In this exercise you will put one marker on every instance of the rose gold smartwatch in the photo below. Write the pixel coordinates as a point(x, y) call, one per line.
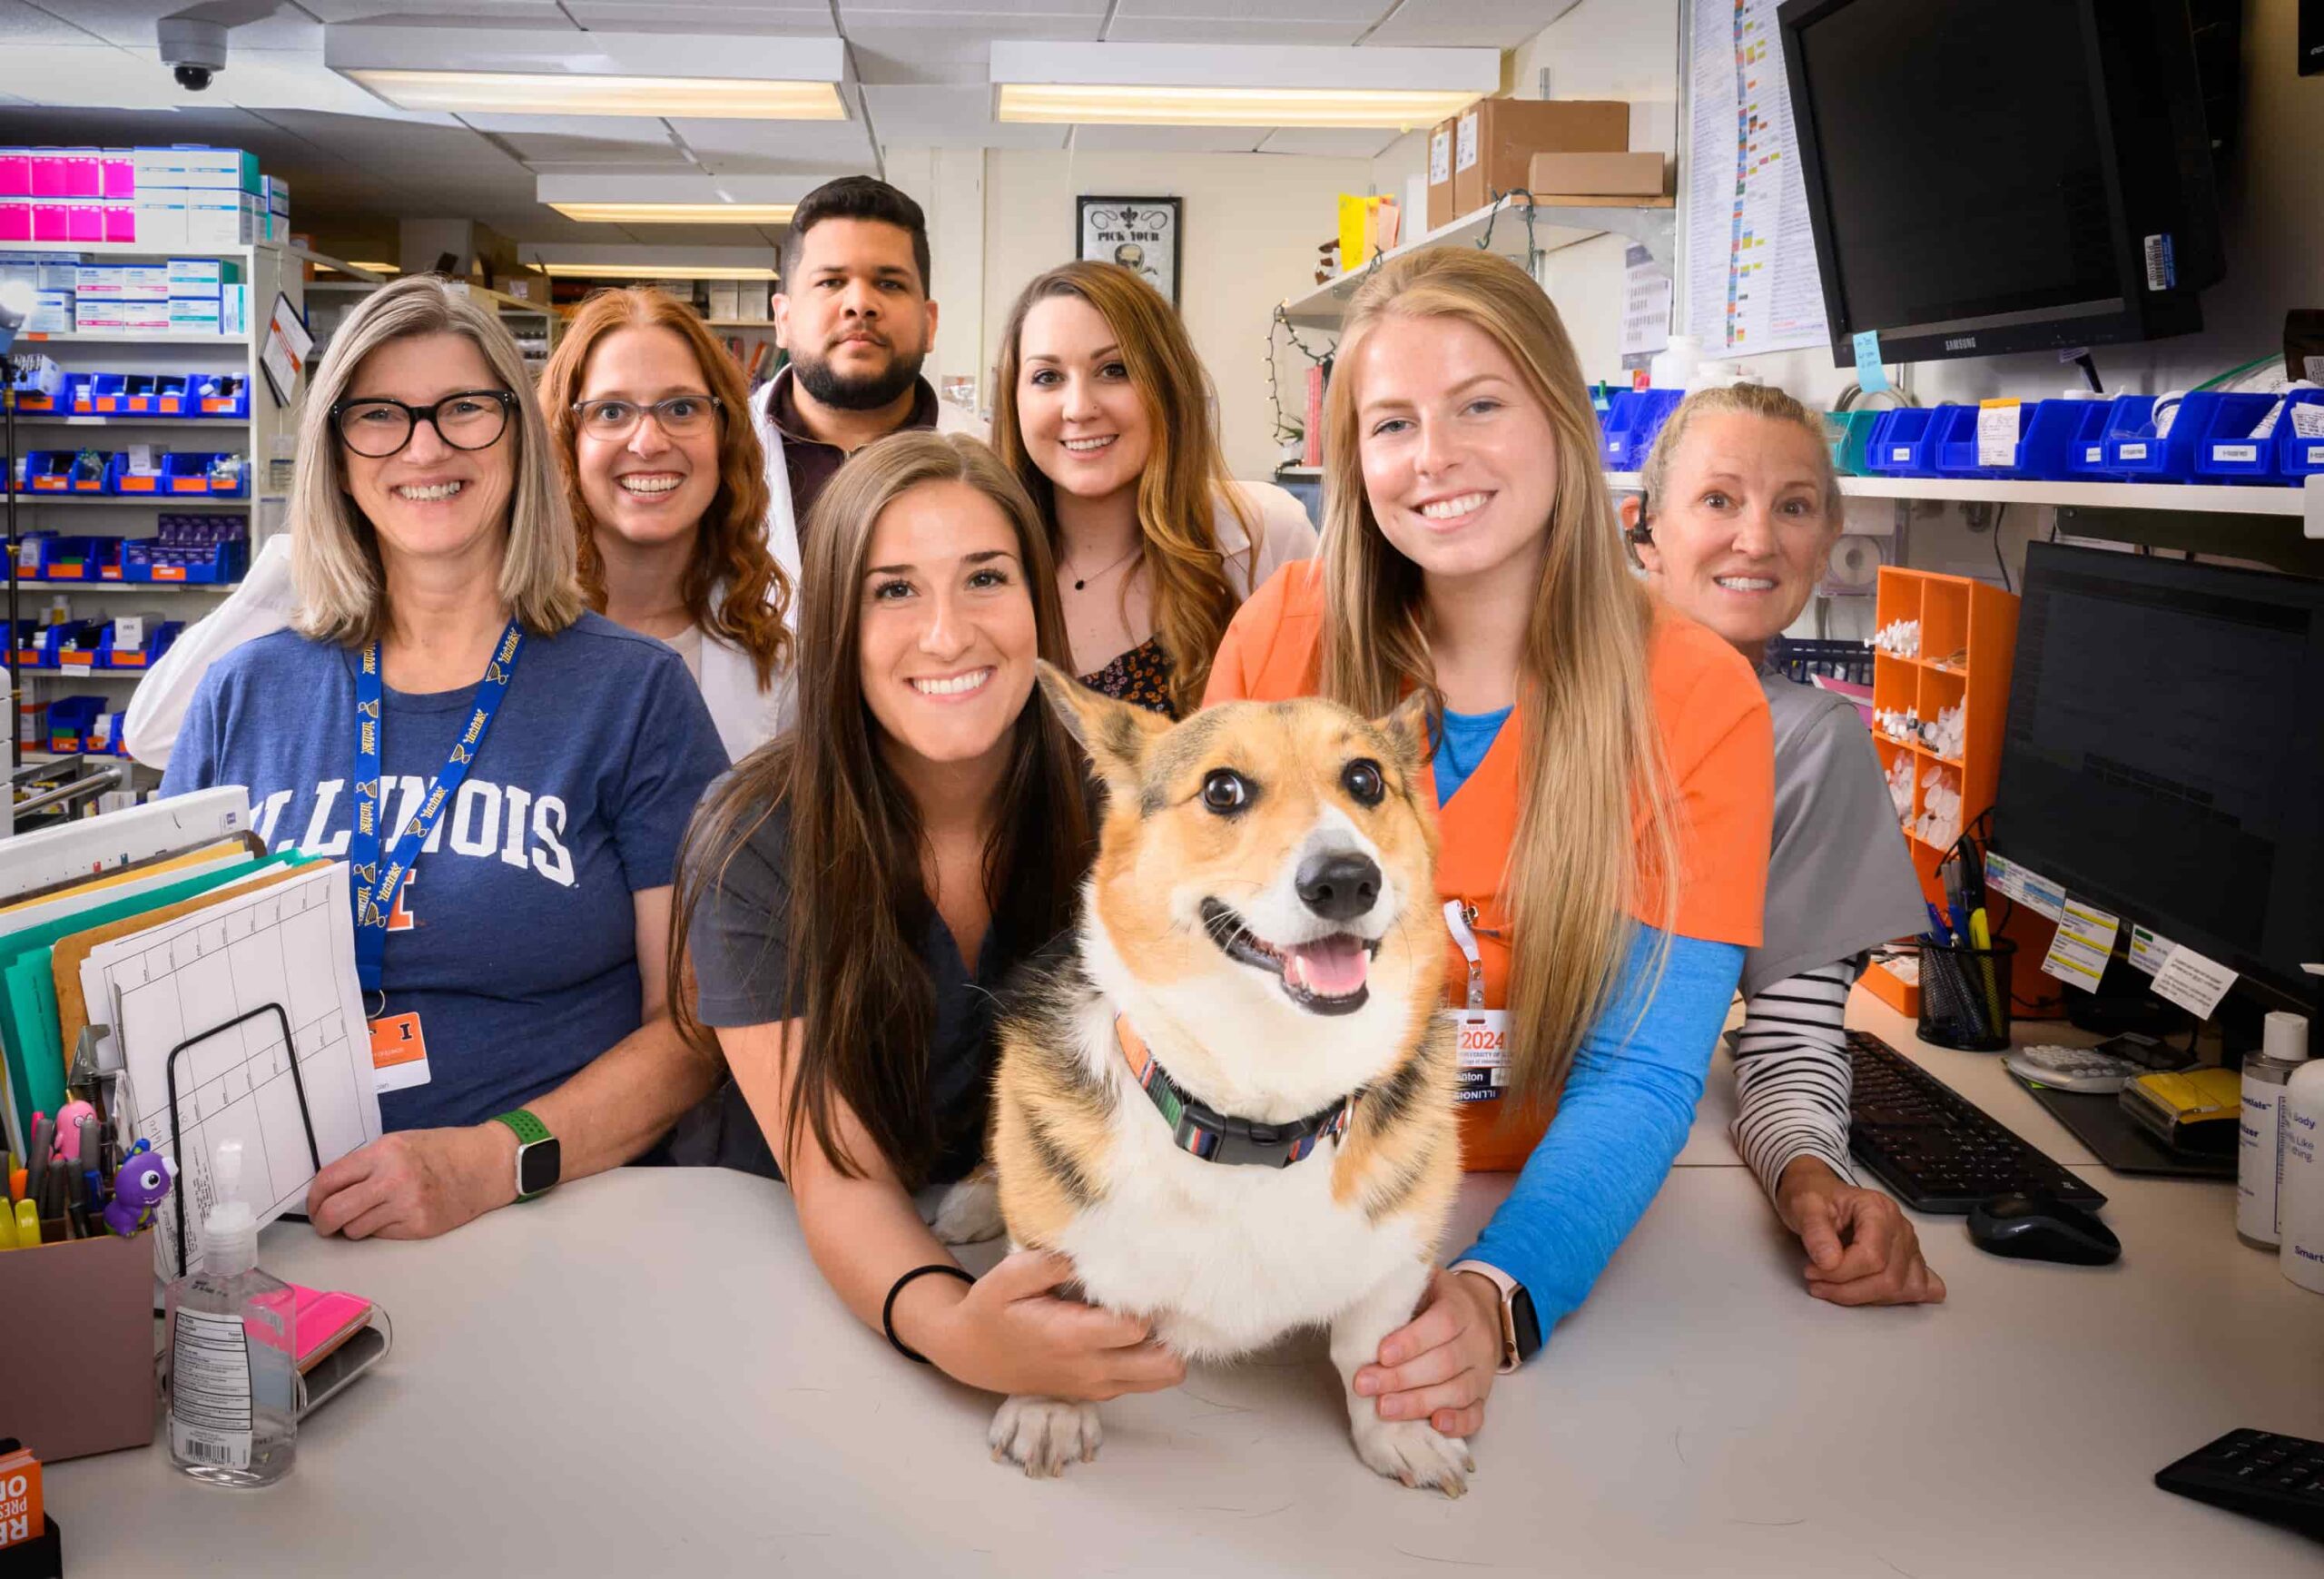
point(1520, 1330)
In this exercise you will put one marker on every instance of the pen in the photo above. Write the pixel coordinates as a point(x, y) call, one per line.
point(44, 1139)
point(1937, 928)
point(86, 1158)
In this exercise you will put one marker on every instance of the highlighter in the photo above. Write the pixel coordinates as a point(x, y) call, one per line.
point(18, 1178)
point(8, 1229)
point(27, 1225)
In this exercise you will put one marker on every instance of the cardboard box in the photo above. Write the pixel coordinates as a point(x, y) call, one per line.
point(117, 170)
point(1441, 210)
point(78, 1367)
point(234, 310)
point(217, 169)
point(215, 219)
point(196, 276)
point(1595, 175)
point(726, 299)
point(278, 194)
point(15, 172)
point(145, 282)
point(194, 315)
point(1494, 140)
point(119, 220)
point(54, 312)
point(161, 217)
point(15, 220)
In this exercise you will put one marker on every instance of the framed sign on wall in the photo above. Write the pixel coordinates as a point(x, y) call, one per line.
point(1140, 233)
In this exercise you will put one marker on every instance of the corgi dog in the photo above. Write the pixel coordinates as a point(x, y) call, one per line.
point(1232, 1105)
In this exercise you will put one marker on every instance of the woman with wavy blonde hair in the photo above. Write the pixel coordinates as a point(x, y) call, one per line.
point(1103, 411)
point(1603, 770)
point(665, 479)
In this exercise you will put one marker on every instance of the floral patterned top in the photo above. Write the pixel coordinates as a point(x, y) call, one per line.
point(1140, 676)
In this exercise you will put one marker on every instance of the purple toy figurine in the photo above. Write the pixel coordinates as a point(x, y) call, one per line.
point(143, 1179)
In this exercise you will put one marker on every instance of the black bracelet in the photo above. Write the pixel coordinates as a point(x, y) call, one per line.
point(888, 1311)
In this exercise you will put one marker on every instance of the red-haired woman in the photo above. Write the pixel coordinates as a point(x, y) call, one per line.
point(668, 485)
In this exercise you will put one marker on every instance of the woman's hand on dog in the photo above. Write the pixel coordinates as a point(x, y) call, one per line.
point(1010, 1333)
point(1861, 1247)
point(1440, 1365)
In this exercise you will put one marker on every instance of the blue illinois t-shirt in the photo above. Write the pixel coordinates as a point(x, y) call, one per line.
point(515, 941)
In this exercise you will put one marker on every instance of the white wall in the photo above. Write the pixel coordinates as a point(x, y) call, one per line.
point(1253, 222)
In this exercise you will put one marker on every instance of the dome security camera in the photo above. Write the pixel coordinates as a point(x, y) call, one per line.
point(193, 50)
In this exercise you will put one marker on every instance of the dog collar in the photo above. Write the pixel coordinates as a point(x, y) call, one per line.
point(1217, 1137)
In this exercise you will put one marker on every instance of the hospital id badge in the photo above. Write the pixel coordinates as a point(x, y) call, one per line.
point(1482, 1041)
point(399, 1053)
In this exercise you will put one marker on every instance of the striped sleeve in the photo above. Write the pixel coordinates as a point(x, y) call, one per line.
point(1792, 1073)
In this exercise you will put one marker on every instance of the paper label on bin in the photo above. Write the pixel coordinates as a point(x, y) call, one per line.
point(1900, 452)
point(2134, 452)
point(2148, 951)
point(1869, 374)
point(1465, 154)
point(1440, 158)
point(2308, 419)
point(1997, 432)
point(2085, 938)
point(2193, 983)
point(2235, 454)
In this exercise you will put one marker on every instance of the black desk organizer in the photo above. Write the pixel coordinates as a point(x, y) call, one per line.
point(297, 1083)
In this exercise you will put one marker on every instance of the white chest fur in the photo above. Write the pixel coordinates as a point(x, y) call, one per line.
point(1224, 1259)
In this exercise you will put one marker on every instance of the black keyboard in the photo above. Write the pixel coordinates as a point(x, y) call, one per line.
point(2268, 1477)
point(1934, 1150)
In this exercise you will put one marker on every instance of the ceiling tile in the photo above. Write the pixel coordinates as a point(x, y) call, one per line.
point(131, 23)
point(905, 47)
point(23, 24)
point(776, 147)
point(800, 17)
point(1363, 13)
point(949, 118)
point(966, 12)
point(1246, 29)
point(438, 13)
point(1481, 23)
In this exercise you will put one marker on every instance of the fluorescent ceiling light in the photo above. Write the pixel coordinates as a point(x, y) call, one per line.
point(678, 213)
point(1188, 84)
point(522, 71)
point(375, 268)
point(656, 271)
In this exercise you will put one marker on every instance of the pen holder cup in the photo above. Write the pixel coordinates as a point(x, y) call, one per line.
point(1965, 995)
point(76, 1367)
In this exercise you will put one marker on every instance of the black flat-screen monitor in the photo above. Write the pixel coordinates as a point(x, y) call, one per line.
point(2164, 754)
point(2002, 175)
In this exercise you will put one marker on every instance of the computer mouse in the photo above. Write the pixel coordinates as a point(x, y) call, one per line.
point(2042, 1228)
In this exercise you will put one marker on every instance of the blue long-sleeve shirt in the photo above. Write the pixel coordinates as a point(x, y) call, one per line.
point(1628, 1103)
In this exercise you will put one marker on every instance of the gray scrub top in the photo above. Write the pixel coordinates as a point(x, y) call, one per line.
point(1839, 880)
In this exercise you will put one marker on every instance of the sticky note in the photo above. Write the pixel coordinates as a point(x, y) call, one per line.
point(2193, 983)
point(1869, 372)
point(2147, 950)
point(2078, 954)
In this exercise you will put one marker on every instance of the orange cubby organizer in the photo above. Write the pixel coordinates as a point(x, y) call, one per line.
point(1968, 642)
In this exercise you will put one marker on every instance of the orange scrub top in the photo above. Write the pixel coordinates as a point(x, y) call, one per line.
point(1715, 738)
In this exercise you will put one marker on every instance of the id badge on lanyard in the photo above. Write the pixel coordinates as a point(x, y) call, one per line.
point(378, 874)
point(1483, 1034)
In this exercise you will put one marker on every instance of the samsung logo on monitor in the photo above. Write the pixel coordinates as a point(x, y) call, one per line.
point(1962, 342)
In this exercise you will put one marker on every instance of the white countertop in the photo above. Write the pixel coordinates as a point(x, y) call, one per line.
point(644, 1374)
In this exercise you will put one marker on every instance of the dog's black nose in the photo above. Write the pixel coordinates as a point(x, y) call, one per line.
point(1338, 887)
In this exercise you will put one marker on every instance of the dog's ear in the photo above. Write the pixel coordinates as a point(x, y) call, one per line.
point(1407, 729)
point(1115, 734)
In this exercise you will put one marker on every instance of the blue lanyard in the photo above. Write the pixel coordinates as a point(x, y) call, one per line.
point(375, 886)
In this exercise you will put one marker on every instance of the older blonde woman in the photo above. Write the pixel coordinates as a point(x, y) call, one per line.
point(508, 775)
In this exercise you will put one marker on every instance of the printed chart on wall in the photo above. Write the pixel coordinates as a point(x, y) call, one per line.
point(1751, 281)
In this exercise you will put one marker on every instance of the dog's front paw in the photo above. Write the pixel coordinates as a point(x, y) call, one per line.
point(1414, 1452)
point(970, 1212)
point(1045, 1435)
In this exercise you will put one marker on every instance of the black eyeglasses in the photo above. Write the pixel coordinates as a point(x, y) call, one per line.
point(377, 428)
point(680, 416)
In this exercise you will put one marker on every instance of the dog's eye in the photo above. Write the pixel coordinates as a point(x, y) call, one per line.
point(1225, 790)
point(1361, 779)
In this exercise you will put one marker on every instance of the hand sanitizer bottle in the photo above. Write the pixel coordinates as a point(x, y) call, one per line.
point(232, 1342)
point(2261, 1165)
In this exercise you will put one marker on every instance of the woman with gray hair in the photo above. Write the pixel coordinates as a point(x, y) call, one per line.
point(443, 700)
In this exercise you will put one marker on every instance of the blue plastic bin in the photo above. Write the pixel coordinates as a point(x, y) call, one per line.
point(2225, 450)
point(1851, 434)
point(1631, 423)
point(2124, 415)
point(1952, 444)
point(1899, 443)
point(2297, 458)
point(186, 474)
point(2142, 455)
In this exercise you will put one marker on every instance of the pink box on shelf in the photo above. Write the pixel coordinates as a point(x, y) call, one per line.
point(84, 221)
point(15, 220)
point(119, 220)
point(119, 170)
point(49, 224)
point(15, 172)
point(84, 173)
point(47, 172)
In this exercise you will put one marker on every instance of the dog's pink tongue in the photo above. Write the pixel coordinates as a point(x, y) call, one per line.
point(1330, 967)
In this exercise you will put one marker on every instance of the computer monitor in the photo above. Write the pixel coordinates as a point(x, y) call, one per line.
point(2164, 754)
point(2002, 175)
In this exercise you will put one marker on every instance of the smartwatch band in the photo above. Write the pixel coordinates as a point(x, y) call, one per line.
point(530, 1132)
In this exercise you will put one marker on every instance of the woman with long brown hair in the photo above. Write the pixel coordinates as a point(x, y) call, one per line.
point(1604, 772)
point(853, 892)
point(1103, 411)
point(667, 482)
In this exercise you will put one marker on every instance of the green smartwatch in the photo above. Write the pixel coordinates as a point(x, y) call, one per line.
point(538, 1159)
